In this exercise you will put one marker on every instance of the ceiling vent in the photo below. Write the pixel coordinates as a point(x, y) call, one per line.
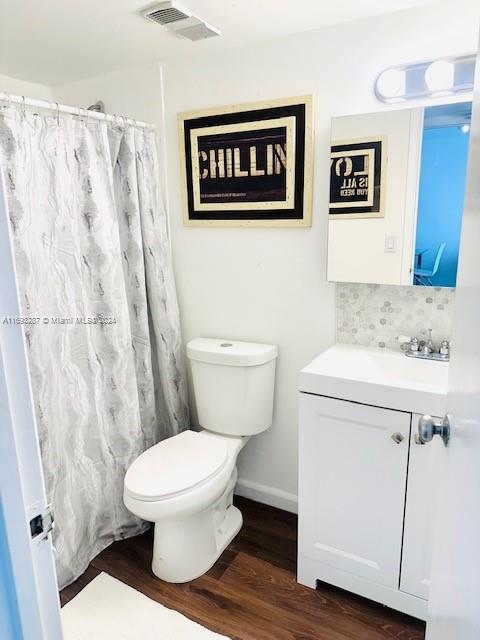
point(173, 17)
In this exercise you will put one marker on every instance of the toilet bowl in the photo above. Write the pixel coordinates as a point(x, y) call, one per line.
point(184, 485)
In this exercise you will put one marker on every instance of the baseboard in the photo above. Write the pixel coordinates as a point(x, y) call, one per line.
point(267, 495)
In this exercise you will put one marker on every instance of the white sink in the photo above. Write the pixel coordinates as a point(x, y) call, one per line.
point(379, 378)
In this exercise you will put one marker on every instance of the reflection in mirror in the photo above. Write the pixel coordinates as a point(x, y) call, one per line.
point(441, 190)
point(397, 182)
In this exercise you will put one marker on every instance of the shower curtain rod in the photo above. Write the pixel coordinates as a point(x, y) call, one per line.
point(76, 111)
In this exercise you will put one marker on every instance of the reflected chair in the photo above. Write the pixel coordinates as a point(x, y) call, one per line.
point(424, 276)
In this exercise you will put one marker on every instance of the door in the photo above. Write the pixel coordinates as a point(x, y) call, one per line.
point(425, 472)
point(352, 487)
point(454, 611)
point(33, 606)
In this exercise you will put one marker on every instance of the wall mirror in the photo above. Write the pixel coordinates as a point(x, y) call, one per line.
point(397, 184)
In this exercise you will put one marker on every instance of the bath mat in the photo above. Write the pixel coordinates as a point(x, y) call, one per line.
point(107, 609)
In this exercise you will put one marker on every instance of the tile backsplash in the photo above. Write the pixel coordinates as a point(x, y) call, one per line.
point(374, 315)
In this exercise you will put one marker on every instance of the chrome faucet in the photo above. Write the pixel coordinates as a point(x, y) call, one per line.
point(425, 349)
point(427, 345)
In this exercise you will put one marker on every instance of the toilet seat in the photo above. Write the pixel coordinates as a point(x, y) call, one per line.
point(174, 466)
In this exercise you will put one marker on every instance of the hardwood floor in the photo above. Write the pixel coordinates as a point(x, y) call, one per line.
point(251, 592)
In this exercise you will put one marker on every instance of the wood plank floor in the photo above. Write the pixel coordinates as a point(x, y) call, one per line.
point(251, 592)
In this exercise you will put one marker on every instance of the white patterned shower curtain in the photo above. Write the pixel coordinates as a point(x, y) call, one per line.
point(100, 311)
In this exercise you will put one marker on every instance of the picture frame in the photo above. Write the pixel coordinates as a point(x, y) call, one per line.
point(358, 178)
point(248, 165)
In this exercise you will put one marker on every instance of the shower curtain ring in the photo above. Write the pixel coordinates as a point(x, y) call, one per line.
point(23, 106)
point(58, 113)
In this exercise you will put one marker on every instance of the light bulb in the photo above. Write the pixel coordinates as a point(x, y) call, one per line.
point(391, 83)
point(439, 76)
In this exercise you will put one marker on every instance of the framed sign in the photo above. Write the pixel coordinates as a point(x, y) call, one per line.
point(357, 178)
point(248, 165)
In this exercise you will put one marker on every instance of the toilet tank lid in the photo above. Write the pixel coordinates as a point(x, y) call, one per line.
point(230, 352)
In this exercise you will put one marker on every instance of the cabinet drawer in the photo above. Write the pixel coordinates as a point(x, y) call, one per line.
point(352, 486)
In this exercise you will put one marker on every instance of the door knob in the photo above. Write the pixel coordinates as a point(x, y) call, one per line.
point(397, 437)
point(429, 427)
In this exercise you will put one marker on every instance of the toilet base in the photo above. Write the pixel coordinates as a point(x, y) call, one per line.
point(186, 547)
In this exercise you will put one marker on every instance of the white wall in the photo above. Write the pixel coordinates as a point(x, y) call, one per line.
point(270, 284)
point(23, 88)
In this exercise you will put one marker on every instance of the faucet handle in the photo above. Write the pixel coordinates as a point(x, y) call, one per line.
point(444, 348)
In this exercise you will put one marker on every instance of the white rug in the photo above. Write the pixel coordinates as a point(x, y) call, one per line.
point(107, 609)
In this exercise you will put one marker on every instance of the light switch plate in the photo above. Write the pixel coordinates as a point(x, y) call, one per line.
point(390, 244)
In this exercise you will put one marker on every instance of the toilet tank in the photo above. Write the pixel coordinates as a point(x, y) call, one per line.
point(233, 385)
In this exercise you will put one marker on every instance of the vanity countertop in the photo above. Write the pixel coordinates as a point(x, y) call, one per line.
point(379, 378)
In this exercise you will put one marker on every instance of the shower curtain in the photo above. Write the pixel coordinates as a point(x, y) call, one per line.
point(99, 311)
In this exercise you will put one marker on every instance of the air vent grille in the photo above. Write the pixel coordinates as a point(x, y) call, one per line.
point(166, 16)
point(174, 17)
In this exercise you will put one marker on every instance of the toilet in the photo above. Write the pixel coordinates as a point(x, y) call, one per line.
point(184, 485)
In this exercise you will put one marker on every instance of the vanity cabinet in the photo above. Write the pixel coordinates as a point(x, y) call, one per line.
point(365, 501)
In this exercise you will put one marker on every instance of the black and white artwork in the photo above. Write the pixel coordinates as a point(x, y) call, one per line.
point(357, 178)
point(248, 165)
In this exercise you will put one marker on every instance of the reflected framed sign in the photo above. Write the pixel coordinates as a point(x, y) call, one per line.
point(357, 178)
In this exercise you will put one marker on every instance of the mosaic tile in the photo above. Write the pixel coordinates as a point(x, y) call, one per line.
point(375, 315)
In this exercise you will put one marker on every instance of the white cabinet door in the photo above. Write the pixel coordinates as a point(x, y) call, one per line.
point(424, 480)
point(352, 487)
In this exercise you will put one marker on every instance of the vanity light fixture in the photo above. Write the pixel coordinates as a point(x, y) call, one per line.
point(391, 83)
point(439, 76)
point(433, 78)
